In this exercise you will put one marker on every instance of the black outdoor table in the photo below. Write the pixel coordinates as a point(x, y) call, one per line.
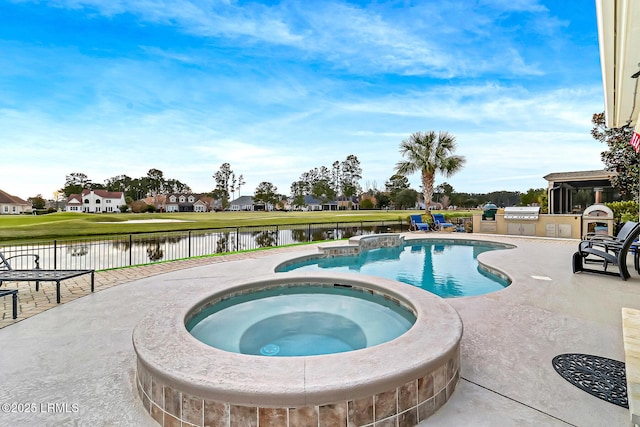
point(37, 275)
point(14, 297)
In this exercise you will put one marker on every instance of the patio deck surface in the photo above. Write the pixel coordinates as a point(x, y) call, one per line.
point(73, 364)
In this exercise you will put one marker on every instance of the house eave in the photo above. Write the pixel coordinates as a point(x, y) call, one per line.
point(619, 41)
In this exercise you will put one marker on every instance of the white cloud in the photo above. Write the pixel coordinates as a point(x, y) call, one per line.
point(278, 89)
point(365, 39)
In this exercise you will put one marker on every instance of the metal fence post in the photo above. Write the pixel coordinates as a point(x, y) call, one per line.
point(130, 250)
point(189, 250)
point(55, 254)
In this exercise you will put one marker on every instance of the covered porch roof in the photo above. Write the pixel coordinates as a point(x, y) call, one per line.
point(581, 179)
point(619, 38)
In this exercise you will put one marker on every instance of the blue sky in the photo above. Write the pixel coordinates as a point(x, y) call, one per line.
point(110, 87)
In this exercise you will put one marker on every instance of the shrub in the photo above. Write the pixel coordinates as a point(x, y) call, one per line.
point(624, 211)
point(366, 204)
point(138, 206)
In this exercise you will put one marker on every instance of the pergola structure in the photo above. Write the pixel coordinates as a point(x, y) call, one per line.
point(564, 185)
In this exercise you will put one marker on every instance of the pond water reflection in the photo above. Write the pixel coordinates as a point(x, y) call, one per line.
point(136, 249)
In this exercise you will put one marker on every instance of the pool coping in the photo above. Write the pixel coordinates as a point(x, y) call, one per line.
point(176, 362)
point(220, 375)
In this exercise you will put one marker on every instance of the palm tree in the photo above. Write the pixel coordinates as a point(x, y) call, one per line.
point(429, 153)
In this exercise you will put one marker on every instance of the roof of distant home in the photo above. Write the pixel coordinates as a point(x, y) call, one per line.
point(8, 198)
point(104, 193)
point(101, 193)
point(243, 200)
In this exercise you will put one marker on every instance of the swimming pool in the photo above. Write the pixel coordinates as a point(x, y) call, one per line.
point(301, 321)
point(447, 268)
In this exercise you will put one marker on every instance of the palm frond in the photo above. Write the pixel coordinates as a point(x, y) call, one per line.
point(429, 153)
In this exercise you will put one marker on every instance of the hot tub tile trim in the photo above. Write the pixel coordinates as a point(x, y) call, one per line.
point(423, 408)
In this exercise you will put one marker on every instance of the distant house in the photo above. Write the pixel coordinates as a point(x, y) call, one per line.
point(96, 201)
point(311, 204)
point(242, 203)
point(13, 205)
point(346, 203)
point(181, 202)
point(204, 204)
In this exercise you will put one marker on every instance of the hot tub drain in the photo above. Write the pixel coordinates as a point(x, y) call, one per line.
point(270, 350)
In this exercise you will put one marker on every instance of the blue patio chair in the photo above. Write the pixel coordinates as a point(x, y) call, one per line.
point(440, 223)
point(417, 224)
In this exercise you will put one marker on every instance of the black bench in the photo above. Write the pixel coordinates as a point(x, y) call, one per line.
point(14, 297)
point(9, 274)
point(44, 276)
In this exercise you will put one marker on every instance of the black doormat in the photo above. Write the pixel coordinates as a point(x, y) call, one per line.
point(601, 377)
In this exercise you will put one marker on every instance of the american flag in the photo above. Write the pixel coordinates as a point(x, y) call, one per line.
point(635, 141)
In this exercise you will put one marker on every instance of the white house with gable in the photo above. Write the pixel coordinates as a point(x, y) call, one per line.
point(96, 201)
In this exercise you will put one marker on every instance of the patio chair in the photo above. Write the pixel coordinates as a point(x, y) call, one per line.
point(602, 240)
point(614, 252)
point(417, 224)
point(440, 223)
point(607, 242)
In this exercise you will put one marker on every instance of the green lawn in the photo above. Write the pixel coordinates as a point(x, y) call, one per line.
point(71, 225)
point(68, 225)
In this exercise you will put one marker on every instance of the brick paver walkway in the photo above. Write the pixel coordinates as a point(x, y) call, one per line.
point(31, 302)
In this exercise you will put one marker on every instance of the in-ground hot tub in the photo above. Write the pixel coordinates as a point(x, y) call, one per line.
point(303, 320)
point(407, 379)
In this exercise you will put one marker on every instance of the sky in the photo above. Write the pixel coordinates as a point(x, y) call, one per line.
point(276, 88)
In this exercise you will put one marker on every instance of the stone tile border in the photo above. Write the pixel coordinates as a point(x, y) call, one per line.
point(403, 406)
point(401, 382)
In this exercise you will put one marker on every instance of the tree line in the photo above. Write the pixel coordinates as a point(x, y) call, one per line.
point(427, 153)
point(152, 184)
point(322, 183)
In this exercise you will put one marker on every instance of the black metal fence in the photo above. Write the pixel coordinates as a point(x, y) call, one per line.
point(144, 248)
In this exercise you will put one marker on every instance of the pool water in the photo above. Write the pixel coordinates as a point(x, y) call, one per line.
point(301, 321)
point(446, 269)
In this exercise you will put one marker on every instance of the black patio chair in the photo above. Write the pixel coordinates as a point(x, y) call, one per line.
point(604, 240)
point(611, 252)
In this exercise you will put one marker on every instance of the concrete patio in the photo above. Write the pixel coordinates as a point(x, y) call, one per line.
point(73, 364)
